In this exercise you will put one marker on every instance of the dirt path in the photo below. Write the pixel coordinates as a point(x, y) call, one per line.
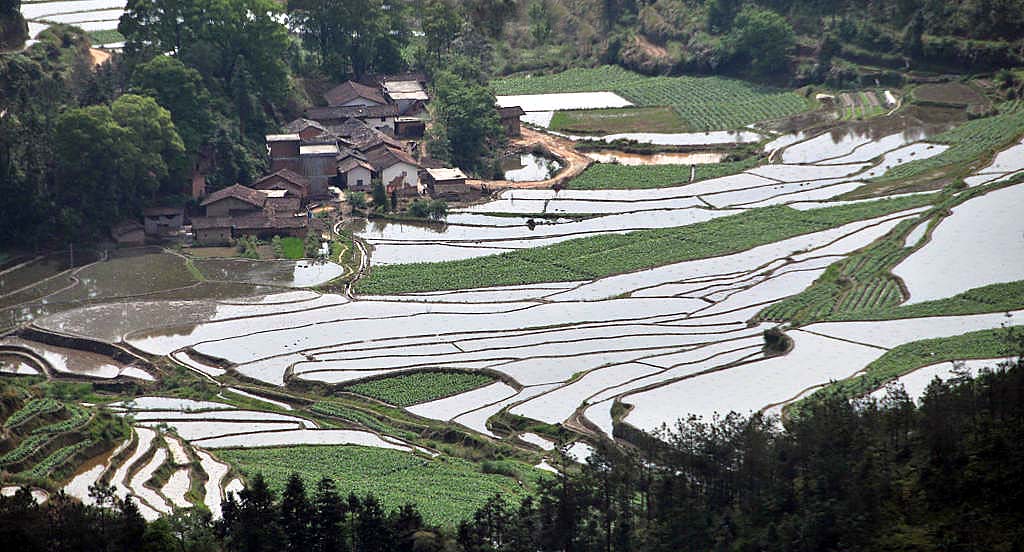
point(575, 162)
point(99, 57)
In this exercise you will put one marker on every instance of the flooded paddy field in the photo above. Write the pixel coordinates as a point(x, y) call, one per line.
point(614, 309)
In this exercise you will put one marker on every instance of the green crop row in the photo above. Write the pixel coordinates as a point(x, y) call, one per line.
point(25, 448)
point(358, 417)
point(608, 254)
point(715, 103)
point(446, 490)
point(32, 409)
point(418, 387)
point(704, 103)
point(968, 142)
point(57, 459)
point(79, 417)
point(910, 356)
point(612, 176)
point(598, 79)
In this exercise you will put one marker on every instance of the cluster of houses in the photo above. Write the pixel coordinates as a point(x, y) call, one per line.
point(364, 134)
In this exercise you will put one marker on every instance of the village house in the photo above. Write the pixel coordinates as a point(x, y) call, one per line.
point(284, 152)
point(407, 91)
point(398, 170)
point(448, 184)
point(128, 233)
point(234, 201)
point(510, 120)
point(355, 173)
point(284, 179)
point(352, 94)
point(380, 117)
point(211, 230)
point(238, 210)
point(163, 222)
point(319, 166)
point(308, 130)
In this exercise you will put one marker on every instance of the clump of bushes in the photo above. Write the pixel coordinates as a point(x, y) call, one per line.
point(434, 209)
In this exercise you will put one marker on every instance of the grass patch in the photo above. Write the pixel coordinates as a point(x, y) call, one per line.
point(105, 37)
point(910, 356)
point(358, 417)
point(290, 248)
point(418, 387)
point(446, 490)
point(618, 120)
point(604, 255)
point(702, 103)
point(613, 176)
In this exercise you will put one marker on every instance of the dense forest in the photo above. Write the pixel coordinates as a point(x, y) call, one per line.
point(866, 475)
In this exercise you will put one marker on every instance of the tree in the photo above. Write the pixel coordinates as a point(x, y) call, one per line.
point(540, 22)
point(466, 127)
point(109, 160)
point(441, 23)
point(721, 14)
point(296, 515)
point(212, 36)
point(352, 37)
point(180, 90)
point(764, 37)
point(328, 533)
point(158, 139)
point(380, 195)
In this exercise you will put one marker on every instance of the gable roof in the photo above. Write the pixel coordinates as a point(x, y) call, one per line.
point(284, 174)
point(349, 163)
point(362, 136)
point(239, 192)
point(333, 113)
point(385, 157)
point(348, 91)
point(301, 124)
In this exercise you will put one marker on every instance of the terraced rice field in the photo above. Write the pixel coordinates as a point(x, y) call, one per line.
point(539, 319)
point(701, 103)
point(98, 17)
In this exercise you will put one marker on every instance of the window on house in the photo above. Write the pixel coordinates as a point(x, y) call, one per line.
point(359, 182)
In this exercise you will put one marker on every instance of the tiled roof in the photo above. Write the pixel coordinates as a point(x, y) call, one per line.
point(286, 174)
point(357, 111)
point(302, 124)
point(385, 157)
point(348, 91)
point(239, 192)
point(206, 223)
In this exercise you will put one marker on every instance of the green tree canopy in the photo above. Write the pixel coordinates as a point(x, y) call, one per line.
point(466, 125)
point(109, 160)
point(180, 90)
point(352, 37)
point(764, 37)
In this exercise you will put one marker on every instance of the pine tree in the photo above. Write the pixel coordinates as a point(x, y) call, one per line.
point(296, 515)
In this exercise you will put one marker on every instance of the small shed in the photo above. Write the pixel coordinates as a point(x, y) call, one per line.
point(163, 221)
point(306, 129)
point(510, 119)
point(128, 233)
point(445, 183)
point(410, 127)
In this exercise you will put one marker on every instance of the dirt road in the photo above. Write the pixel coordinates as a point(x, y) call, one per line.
point(574, 161)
